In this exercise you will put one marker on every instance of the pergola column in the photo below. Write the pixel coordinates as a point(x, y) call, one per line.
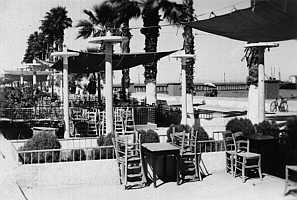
point(64, 54)
point(183, 58)
point(22, 79)
point(108, 41)
point(256, 108)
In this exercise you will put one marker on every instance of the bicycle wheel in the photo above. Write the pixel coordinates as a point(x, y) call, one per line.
point(283, 107)
point(273, 106)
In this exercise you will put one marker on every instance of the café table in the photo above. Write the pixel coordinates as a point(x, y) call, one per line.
point(153, 150)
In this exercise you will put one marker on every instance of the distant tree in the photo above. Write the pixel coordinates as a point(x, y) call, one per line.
point(151, 30)
point(36, 47)
point(53, 26)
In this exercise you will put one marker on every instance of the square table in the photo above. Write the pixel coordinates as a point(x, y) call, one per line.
point(161, 149)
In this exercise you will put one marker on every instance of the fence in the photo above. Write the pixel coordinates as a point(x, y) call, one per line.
point(95, 153)
point(39, 112)
point(65, 155)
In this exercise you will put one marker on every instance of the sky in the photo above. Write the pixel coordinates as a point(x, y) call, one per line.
point(217, 58)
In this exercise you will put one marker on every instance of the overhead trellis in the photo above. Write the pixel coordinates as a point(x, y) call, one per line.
point(95, 62)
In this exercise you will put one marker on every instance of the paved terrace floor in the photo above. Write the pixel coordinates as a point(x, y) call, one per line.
point(92, 180)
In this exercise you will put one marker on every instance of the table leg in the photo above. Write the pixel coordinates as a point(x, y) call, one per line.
point(154, 170)
point(164, 166)
point(144, 165)
point(177, 157)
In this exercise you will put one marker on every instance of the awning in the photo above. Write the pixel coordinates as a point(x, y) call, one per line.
point(264, 21)
point(95, 62)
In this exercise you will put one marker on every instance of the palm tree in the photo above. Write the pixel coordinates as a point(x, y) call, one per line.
point(53, 26)
point(110, 16)
point(151, 19)
point(184, 13)
point(36, 47)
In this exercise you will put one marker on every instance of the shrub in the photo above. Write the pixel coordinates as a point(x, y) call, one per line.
point(267, 128)
point(178, 128)
point(201, 133)
point(105, 140)
point(243, 125)
point(41, 141)
point(102, 153)
point(291, 133)
point(77, 155)
point(149, 136)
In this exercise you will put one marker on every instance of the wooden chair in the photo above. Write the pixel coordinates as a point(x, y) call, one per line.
point(92, 124)
point(292, 168)
point(129, 159)
point(245, 160)
point(230, 151)
point(190, 156)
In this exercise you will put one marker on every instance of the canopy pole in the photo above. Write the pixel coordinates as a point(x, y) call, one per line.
point(257, 114)
point(108, 41)
point(183, 58)
point(109, 83)
point(184, 96)
point(65, 55)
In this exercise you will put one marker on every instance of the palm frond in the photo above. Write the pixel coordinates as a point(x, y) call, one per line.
point(91, 16)
point(86, 28)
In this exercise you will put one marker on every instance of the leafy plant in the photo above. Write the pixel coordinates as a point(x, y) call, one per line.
point(149, 136)
point(267, 128)
point(105, 140)
point(178, 128)
point(243, 124)
point(41, 141)
point(77, 155)
point(201, 133)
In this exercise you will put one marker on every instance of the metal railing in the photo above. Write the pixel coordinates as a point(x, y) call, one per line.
point(207, 146)
point(66, 155)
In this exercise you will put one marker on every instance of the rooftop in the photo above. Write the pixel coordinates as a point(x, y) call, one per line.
point(99, 180)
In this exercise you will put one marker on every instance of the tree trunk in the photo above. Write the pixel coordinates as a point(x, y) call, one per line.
point(188, 65)
point(99, 87)
point(151, 19)
point(125, 46)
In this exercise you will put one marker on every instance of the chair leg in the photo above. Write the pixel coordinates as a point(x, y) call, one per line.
point(232, 164)
point(198, 167)
point(243, 170)
point(120, 172)
point(259, 168)
point(286, 181)
point(235, 167)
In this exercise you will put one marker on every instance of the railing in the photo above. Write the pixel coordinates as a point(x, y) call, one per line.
point(96, 153)
point(39, 112)
point(65, 155)
point(211, 146)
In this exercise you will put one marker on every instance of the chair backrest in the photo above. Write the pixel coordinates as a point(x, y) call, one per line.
point(185, 141)
point(92, 116)
point(241, 142)
point(124, 147)
point(228, 141)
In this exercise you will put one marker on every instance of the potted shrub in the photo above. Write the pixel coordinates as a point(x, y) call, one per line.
point(41, 141)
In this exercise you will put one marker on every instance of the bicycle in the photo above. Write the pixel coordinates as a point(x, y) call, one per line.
point(281, 107)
